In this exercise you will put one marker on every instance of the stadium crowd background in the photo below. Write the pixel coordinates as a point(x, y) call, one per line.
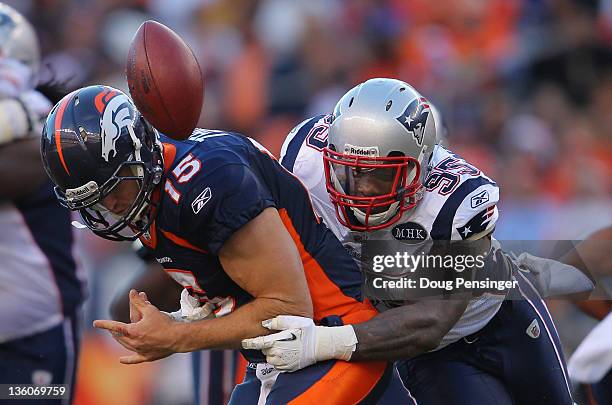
point(524, 86)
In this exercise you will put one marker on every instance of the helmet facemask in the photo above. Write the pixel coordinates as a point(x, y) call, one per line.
point(143, 167)
point(371, 193)
point(126, 226)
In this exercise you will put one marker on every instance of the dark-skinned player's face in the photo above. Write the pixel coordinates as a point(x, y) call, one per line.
point(372, 182)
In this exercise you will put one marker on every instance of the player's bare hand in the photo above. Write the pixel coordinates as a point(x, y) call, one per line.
point(135, 314)
point(151, 335)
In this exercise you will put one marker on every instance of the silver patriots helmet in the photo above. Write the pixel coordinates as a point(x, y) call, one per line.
point(18, 40)
point(383, 132)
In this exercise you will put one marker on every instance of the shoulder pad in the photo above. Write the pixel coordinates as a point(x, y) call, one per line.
point(313, 131)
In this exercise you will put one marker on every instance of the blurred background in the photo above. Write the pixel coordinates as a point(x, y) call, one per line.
point(524, 87)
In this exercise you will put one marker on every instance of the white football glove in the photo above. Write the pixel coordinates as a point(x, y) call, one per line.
point(191, 310)
point(301, 343)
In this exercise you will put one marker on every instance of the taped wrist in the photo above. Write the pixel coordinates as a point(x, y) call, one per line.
point(337, 342)
point(175, 316)
point(15, 122)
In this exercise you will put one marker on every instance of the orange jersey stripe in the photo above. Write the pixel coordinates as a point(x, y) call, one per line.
point(344, 383)
point(57, 126)
point(241, 365)
point(169, 152)
point(327, 298)
point(181, 242)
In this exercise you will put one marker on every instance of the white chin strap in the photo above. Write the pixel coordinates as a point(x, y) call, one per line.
point(376, 219)
point(137, 146)
point(138, 171)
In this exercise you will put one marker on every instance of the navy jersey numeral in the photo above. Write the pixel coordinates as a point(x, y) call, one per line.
point(444, 182)
point(446, 175)
point(458, 166)
point(317, 137)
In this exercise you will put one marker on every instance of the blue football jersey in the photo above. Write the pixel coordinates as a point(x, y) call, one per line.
point(214, 183)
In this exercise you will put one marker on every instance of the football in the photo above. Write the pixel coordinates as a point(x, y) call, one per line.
point(165, 80)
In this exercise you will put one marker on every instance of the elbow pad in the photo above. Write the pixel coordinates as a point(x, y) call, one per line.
point(14, 120)
point(22, 116)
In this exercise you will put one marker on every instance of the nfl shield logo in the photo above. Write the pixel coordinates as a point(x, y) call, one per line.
point(533, 330)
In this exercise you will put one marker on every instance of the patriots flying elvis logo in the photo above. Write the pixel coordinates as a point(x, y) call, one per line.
point(415, 117)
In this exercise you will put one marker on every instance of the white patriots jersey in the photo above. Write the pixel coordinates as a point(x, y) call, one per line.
point(41, 279)
point(458, 202)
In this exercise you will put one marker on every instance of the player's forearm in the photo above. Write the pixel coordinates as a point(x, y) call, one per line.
point(228, 331)
point(406, 331)
point(21, 170)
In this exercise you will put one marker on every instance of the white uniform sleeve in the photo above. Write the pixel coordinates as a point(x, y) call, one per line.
point(290, 136)
point(302, 154)
point(477, 214)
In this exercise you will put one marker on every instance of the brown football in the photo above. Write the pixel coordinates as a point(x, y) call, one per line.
point(165, 80)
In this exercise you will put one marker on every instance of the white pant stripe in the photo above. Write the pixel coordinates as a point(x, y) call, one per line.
point(404, 385)
point(550, 337)
point(70, 353)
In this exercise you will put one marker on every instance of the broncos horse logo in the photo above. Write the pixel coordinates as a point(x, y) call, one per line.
point(414, 118)
point(115, 116)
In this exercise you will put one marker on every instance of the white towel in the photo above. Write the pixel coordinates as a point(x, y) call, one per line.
point(191, 310)
point(593, 358)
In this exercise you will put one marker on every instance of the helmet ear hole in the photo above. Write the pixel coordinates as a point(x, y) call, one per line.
point(351, 101)
point(389, 104)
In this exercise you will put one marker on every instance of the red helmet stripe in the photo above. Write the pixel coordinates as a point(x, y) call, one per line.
point(103, 98)
point(107, 97)
point(58, 126)
point(99, 100)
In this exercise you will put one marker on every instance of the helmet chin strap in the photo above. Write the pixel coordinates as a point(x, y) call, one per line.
point(137, 147)
point(141, 211)
point(139, 170)
point(376, 219)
